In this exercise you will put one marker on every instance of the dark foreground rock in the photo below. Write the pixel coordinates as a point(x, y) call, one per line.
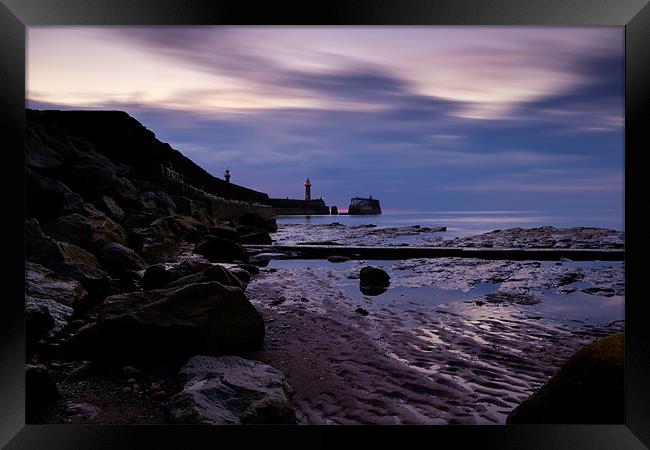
point(40, 389)
point(163, 325)
point(49, 301)
point(373, 280)
point(221, 250)
point(116, 259)
point(232, 390)
point(255, 220)
point(587, 389)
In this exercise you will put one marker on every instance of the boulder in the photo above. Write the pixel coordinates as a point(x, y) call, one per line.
point(373, 280)
point(588, 389)
point(42, 283)
point(110, 207)
point(338, 259)
point(171, 324)
point(231, 390)
point(106, 231)
point(158, 203)
point(251, 269)
point(70, 261)
point(156, 243)
point(156, 277)
point(221, 250)
point(130, 280)
point(88, 171)
point(126, 191)
point(374, 276)
point(73, 229)
point(223, 232)
point(40, 391)
point(187, 268)
point(256, 237)
point(116, 258)
point(256, 221)
point(44, 197)
point(211, 273)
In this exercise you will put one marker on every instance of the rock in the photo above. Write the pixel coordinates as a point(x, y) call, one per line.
point(70, 261)
point(73, 228)
point(40, 391)
point(253, 270)
point(166, 325)
point(156, 243)
point(110, 207)
point(88, 172)
point(126, 191)
point(223, 233)
point(130, 280)
point(211, 273)
point(131, 372)
point(257, 237)
point(588, 388)
point(338, 259)
point(156, 277)
point(41, 283)
point(187, 268)
point(362, 311)
point(241, 274)
point(105, 232)
point(256, 221)
point(49, 301)
point(158, 202)
point(44, 197)
point(221, 250)
point(116, 258)
point(374, 276)
point(72, 203)
point(231, 390)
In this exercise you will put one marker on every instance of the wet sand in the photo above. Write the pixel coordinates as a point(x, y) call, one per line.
point(464, 352)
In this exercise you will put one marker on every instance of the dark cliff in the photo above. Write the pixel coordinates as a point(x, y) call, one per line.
point(60, 143)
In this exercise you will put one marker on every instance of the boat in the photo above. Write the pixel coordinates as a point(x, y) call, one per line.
point(361, 205)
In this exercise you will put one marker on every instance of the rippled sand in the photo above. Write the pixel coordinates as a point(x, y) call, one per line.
point(452, 341)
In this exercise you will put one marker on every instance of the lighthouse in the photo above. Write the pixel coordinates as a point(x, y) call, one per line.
point(307, 189)
point(226, 176)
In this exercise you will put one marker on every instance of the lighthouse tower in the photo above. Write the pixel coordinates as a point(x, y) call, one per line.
point(226, 176)
point(307, 189)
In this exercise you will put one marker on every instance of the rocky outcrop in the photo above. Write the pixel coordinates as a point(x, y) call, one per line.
point(221, 250)
point(231, 390)
point(163, 325)
point(588, 389)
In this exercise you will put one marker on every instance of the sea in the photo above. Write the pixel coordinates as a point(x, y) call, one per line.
point(466, 223)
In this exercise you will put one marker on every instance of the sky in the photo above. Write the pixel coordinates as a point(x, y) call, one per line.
point(423, 118)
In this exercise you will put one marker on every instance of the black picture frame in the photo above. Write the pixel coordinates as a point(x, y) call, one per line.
point(15, 15)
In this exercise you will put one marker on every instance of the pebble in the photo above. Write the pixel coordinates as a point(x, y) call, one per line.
point(131, 372)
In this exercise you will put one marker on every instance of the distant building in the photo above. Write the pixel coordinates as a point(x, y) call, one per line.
point(226, 176)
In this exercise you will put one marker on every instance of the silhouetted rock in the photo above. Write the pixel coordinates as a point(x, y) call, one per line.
point(163, 325)
point(374, 276)
point(116, 258)
point(105, 231)
point(256, 221)
point(221, 250)
point(212, 273)
point(223, 232)
point(588, 389)
point(69, 261)
point(73, 229)
point(156, 277)
point(256, 237)
point(232, 390)
point(40, 390)
point(338, 259)
point(45, 197)
point(110, 207)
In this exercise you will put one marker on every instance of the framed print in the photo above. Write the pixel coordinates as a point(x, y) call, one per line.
point(421, 218)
